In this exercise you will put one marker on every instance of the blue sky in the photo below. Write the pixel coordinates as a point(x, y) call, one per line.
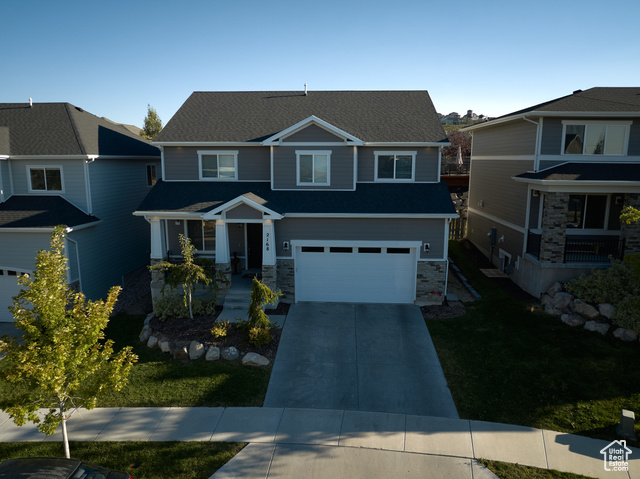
point(113, 58)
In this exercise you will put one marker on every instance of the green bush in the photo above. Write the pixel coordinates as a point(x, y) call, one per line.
point(627, 314)
point(611, 285)
point(172, 306)
point(220, 329)
point(259, 336)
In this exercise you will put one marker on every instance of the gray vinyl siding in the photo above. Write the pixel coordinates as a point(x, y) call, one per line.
point(73, 179)
point(312, 134)
point(121, 242)
point(551, 143)
point(426, 163)
point(5, 180)
point(491, 183)
point(244, 212)
point(362, 229)
point(181, 163)
point(285, 167)
point(18, 250)
point(478, 229)
point(515, 138)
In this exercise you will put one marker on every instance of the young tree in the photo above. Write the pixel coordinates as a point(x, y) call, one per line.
point(62, 361)
point(186, 274)
point(630, 215)
point(152, 124)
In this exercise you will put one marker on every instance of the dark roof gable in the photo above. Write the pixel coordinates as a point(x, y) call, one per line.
point(64, 129)
point(372, 116)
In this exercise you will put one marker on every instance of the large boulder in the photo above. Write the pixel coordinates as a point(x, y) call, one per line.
point(572, 319)
point(196, 350)
point(213, 354)
point(145, 334)
point(597, 327)
point(549, 309)
point(230, 353)
point(152, 342)
point(546, 299)
point(164, 344)
point(255, 359)
point(562, 300)
point(554, 289)
point(624, 334)
point(585, 309)
point(606, 310)
point(181, 352)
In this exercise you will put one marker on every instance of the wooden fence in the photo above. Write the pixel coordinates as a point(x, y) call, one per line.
point(458, 229)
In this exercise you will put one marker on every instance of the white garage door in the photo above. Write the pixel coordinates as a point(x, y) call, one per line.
point(8, 289)
point(355, 274)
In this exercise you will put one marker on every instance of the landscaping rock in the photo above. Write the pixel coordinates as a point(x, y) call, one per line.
point(572, 319)
point(554, 289)
point(152, 342)
point(585, 309)
point(549, 309)
point(181, 353)
point(561, 300)
point(624, 334)
point(606, 310)
point(196, 350)
point(601, 328)
point(145, 334)
point(254, 359)
point(213, 354)
point(230, 353)
point(164, 346)
point(546, 299)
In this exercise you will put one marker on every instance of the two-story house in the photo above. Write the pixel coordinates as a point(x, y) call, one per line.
point(330, 195)
point(62, 165)
point(548, 184)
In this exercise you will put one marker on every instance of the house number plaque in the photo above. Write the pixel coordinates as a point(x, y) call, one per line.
point(266, 243)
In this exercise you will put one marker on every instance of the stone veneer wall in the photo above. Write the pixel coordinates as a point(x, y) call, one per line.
point(225, 268)
point(285, 279)
point(631, 233)
point(554, 221)
point(269, 276)
point(157, 282)
point(431, 278)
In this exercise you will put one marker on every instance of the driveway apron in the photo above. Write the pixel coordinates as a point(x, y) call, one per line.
point(367, 357)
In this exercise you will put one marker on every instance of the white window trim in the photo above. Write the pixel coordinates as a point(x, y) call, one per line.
point(313, 153)
point(45, 167)
point(185, 232)
point(586, 123)
point(151, 165)
point(201, 153)
point(604, 231)
point(413, 155)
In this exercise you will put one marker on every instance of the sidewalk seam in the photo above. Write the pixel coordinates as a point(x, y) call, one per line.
point(215, 426)
point(107, 424)
point(544, 446)
point(158, 424)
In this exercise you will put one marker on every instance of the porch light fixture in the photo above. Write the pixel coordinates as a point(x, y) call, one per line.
point(177, 222)
point(426, 247)
point(285, 245)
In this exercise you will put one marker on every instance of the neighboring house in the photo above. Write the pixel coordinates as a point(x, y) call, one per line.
point(62, 165)
point(550, 182)
point(332, 195)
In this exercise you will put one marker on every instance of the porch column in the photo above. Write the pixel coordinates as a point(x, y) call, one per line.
point(631, 233)
point(157, 251)
point(554, 224)
point(269, 255)
point(223, 260)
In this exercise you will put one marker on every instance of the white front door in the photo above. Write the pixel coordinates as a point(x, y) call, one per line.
point(355, 273)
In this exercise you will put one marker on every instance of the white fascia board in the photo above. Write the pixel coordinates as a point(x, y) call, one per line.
point(168, 215)
point(83, 226)
point(207, 143)
point(27, 230)
point(4, 157)
point(52, 157)
point(361, 243)
point(241, 200)
point(307, 121)
point(387, 144)
point(372, 215)
point(586, 186)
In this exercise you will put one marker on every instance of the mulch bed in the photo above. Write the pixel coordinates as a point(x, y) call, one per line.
point(186, 330)
point(453, 309)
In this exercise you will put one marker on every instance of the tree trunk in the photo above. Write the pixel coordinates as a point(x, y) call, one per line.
point(65, 436)
point(190, 309)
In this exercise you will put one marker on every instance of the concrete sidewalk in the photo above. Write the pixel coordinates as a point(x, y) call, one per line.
point(294, 443)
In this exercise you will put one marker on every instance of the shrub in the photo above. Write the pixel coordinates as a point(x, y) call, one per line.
point(172, 306)
point(627, 314)
point(259, 336)
point(220, 329)
point(611, 285)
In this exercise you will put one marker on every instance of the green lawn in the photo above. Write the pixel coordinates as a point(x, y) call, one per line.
point(143, 460)
point(515, 471)
point(506, 363)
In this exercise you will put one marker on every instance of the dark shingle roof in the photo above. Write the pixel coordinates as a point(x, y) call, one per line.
point(587, 172)
point(63, 129)
point(372, 116)
point(41, 212)
point(369, 198)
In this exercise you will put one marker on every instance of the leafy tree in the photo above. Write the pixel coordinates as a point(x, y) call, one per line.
point(630, 215)
point(152, 124)
point(62, 361)
point(457, 139)
point(186, 274)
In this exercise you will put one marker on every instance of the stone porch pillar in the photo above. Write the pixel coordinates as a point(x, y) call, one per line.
point(157, 255)
point(554, 224)
point(269, 271)
point(631, 233)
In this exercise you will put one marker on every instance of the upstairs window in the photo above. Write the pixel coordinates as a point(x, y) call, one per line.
point(218, 165)
point(392, 166)
point(313, 167)
point(595, 138)
point(151, 175)
point(45, 178)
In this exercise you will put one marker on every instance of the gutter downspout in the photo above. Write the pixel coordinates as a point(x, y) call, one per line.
point(536, 167)
point(87, 182)
point(538, 124)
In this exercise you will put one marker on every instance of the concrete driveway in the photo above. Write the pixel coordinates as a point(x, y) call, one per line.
point(367, 357)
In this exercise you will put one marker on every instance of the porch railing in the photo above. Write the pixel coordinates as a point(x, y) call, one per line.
point(592, 249)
